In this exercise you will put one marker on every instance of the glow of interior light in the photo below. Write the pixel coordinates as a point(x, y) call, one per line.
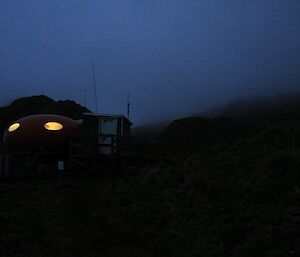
point(52, 125)
point(14, 127)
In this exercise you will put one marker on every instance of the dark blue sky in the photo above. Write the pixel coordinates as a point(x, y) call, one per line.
point(174, 56)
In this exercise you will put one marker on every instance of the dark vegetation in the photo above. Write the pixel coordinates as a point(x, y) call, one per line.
point(225, 187)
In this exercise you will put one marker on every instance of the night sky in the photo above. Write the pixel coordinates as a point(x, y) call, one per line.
point(175, 57)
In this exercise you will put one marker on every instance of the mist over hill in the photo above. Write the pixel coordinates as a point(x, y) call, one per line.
point(250, 113)
point(278, 108)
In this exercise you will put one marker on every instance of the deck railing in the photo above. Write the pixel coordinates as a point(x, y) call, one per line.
point(89, 146)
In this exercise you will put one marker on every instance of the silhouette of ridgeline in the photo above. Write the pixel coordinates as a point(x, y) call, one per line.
point(244, 118)
point(38, 104)
point(198, 133)
point(280, 108)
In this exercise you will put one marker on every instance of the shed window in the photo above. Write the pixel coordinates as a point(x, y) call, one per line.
point(108, 126)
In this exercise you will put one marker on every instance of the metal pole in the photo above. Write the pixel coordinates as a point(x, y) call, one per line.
point(95, 88)
point(128, 106)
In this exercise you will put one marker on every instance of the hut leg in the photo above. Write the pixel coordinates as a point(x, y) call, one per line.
point(117, 166)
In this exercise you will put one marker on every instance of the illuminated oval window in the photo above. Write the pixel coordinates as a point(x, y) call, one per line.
point(13, 127)
point(51, 125)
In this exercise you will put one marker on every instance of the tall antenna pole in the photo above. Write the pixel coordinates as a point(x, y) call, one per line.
point(95, 88)
point(84, 99)
point(128, 106)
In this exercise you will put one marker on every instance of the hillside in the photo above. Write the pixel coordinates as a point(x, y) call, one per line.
point(225, 187)
point(222, 202)
point(198, 133)
point(241, 119)
point(280, 108)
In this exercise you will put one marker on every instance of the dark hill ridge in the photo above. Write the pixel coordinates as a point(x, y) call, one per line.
point(38, 104)
point(242, 119)
point(279, 108)
point(149, 130)
point(198, 133)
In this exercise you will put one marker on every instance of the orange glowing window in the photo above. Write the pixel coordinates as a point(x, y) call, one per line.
point(52, 125)
point(13, 127)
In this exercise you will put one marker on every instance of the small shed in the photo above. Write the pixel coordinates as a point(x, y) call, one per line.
point(100, 133)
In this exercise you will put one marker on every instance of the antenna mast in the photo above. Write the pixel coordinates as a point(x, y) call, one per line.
point(84, 98)
point(128, 106)
point(95, 88)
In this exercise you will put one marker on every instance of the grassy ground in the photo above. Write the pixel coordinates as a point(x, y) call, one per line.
point(237, 200)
